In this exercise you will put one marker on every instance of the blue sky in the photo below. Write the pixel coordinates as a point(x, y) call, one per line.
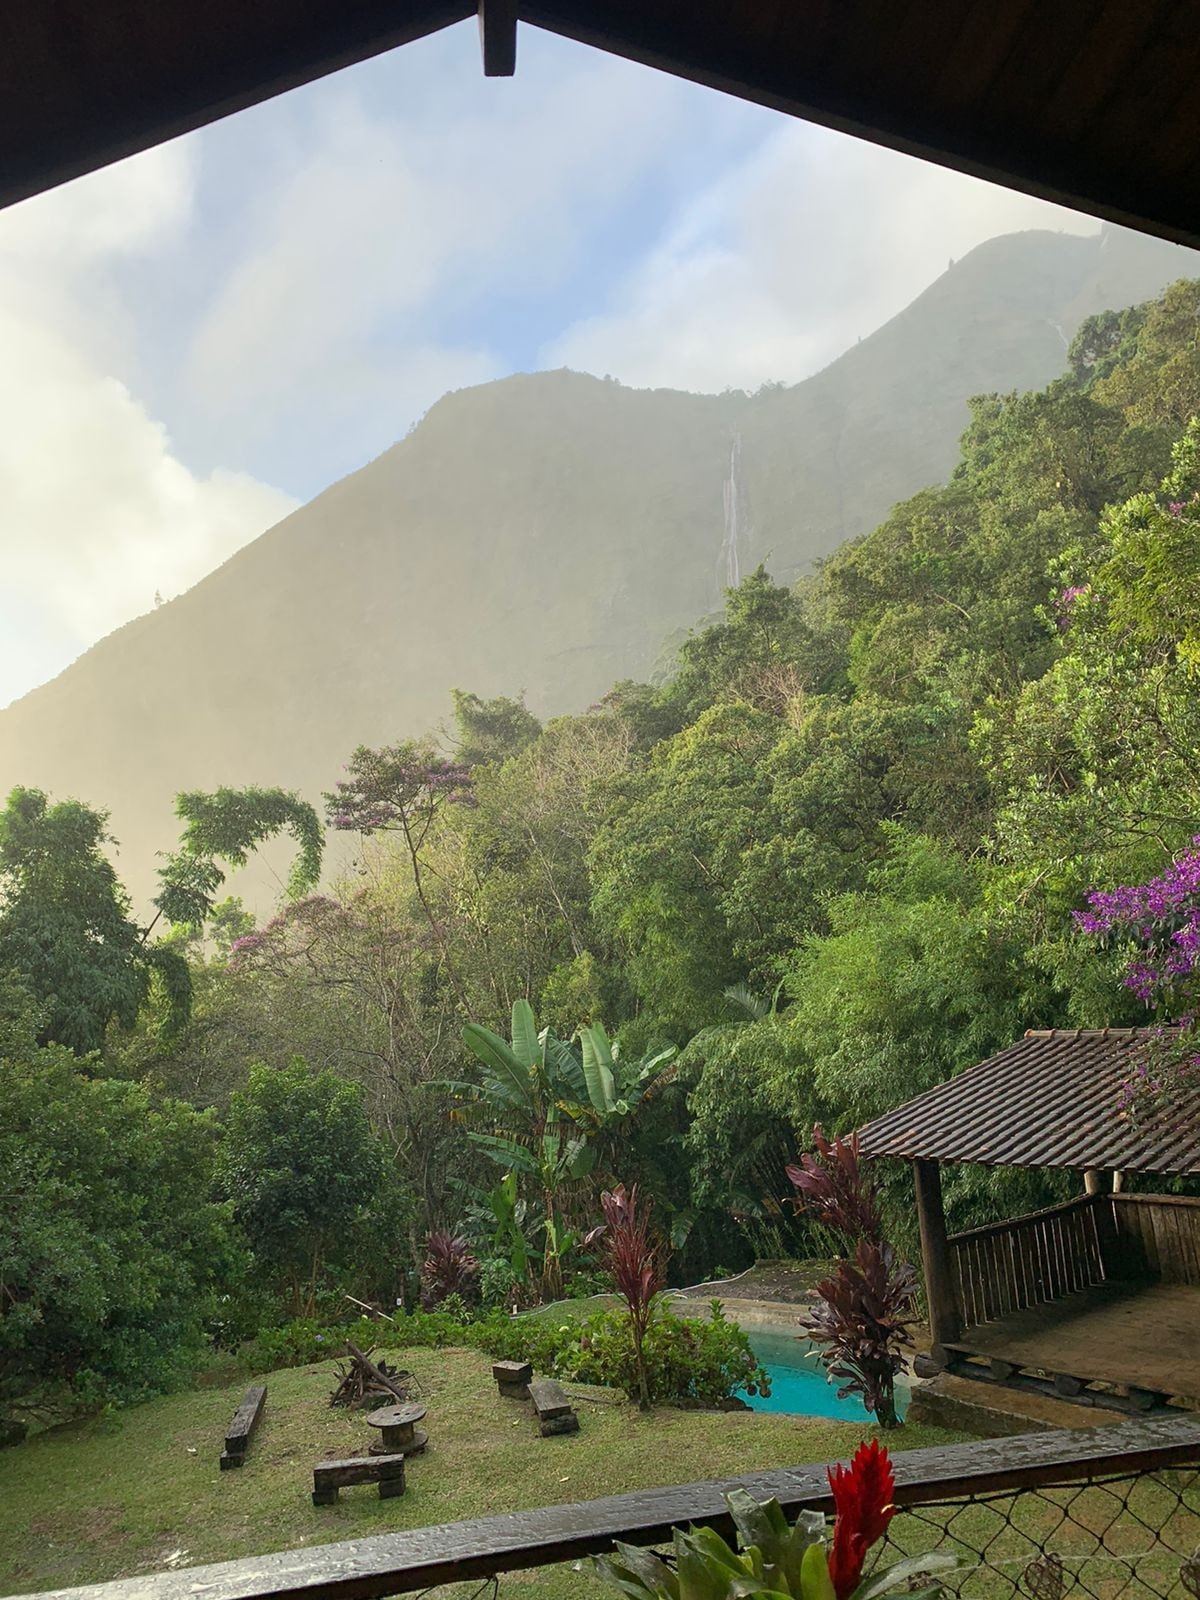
point(205, 336)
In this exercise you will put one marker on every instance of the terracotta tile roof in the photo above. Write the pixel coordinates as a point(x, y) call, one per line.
point(1050, 1100)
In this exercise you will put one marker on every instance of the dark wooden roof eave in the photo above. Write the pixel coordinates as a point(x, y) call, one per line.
point(948, 130)
point(1093, 106)
point(1052, 1099)
point(82, 86)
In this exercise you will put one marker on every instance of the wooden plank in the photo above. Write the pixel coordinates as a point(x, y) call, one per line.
point(549, 1398)
point(245, 1418)
point(242, 1425)
point(1077, 1249)
point(357, 1469)
point(961, 1279)
point(1021, 1261)
point(419, 1558)
point(1049, 1261)
point(1117, 1333)
point(1030, 1275)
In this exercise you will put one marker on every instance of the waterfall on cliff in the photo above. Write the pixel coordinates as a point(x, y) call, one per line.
point(737, 521)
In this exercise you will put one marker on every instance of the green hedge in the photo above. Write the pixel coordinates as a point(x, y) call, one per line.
point(689, 1359)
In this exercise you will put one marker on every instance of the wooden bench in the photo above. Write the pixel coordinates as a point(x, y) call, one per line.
point(241, 1429)
point(330, 1476)
point(552, 1408)
point(513, 1378)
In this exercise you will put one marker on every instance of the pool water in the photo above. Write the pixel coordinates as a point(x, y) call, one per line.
point(798, 1382)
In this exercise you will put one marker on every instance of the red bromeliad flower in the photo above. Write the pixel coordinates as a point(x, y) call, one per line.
point(862, 1494)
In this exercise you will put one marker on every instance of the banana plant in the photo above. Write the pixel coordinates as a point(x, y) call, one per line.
point(547, 1102)
point(509, 1211)
point(537, 1078)
point(615, 1088)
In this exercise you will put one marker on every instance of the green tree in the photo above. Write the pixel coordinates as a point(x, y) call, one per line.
point(111, 1250)
point(229, 826)
point(299, 1163)
point(491, 731)
point(65, 925)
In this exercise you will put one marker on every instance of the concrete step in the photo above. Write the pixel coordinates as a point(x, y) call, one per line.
point(992, 1411)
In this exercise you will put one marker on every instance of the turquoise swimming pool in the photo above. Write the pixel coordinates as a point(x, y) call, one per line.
point(798, 1384)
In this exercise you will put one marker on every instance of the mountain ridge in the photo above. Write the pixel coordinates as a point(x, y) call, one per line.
point(544, 532)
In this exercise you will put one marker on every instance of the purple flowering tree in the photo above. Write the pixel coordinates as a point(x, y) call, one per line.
point(1160, 921)
point(401, 789)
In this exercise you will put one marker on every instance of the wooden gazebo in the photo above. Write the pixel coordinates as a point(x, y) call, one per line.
point(1102, 1289)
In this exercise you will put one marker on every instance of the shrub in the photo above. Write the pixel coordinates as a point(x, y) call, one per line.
point(498, 1283)
point(686, 1359)
point(448, 1271)
point(111, 1255)
point(305, 1339)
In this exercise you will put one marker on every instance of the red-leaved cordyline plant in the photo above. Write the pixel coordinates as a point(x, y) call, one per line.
point(833, 1186)
point(863, 1314)
point(782, 1560)
point(449, 1268)
point(634, 1256)
point(862, 1498)
point(861, 1321)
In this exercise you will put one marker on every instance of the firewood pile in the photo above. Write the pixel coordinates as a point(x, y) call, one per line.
point(363, 1381)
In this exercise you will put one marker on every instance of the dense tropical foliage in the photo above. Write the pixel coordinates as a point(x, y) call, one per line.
point(834, 854)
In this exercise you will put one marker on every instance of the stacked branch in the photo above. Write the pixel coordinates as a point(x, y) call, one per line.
point(362, 1381)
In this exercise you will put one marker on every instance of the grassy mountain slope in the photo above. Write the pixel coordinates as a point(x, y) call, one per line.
point(544, 533)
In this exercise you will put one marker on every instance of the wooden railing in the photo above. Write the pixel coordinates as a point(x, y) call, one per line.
point(1124, 1457)
point(1155, 1237)
point(1026, 1261)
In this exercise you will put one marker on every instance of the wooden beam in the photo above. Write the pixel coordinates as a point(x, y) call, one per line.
point(945, 1316)
point(140, 72)
point(498, 37)
point(419, 1558)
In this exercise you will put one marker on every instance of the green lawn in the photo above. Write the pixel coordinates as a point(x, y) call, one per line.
point(139, 1490)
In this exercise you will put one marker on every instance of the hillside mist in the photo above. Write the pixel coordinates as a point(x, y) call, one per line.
point(545, 533)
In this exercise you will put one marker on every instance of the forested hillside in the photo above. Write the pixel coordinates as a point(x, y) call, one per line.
point(549, 533)
point(831, 858)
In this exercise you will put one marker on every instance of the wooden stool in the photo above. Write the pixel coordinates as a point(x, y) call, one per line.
point(513, 1378)
point(399, 1431)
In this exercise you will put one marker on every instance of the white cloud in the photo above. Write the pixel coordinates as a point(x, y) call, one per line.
point(813, 241)
point(388, 228)
point(96, 511)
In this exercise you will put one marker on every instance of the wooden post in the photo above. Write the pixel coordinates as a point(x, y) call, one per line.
point(945, 1318)
point(1091, 1181)
point(498, 37)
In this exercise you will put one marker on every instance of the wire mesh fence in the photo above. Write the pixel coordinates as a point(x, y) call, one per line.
point(1130, 1537)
